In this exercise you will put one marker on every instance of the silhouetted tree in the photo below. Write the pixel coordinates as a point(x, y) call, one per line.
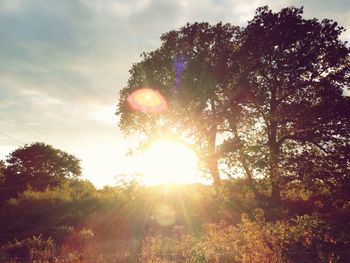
point(38, 165)
point(272, 92)
point(295, 124)
point(191, 70)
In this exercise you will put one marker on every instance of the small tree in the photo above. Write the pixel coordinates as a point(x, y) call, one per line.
point(38, 165)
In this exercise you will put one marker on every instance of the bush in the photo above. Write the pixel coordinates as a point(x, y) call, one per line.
point(35, 248)
point(300, 239)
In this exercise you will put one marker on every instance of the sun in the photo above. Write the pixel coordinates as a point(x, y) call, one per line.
point(167, 162)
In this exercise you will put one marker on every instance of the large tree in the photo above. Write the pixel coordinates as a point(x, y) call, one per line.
point(191, 70)
point(272, 90)
point(38, 165)
point(295, 124)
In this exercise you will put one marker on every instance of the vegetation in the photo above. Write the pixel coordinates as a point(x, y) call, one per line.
point(38, 165)
point(77, 223)
point(265, 100)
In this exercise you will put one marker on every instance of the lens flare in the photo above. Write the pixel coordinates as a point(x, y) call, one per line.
point(165, 215)
point(147, 100)
point(179, 67)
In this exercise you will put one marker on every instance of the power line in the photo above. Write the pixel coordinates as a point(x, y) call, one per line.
point(12, 138)
point(17, 127)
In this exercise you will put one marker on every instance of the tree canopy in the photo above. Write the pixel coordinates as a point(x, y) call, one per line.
point(191, 70)
point(266, 99)
point(295, 120)
point(38, 165)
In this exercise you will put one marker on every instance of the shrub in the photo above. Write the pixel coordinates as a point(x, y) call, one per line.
point(35, 248)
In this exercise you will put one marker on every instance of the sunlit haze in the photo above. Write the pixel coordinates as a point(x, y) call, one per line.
point(64, 62)
point(169, 162)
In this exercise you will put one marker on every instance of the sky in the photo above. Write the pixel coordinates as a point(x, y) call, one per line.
point(62, 64)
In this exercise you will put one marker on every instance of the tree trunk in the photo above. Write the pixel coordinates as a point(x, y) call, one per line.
point(274, 148)
point(214, 171)
point(274, 171)
point(244, 162)
point(212, 161)
point(274, 177)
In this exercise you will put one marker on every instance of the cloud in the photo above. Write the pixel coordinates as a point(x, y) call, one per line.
point(82, 50)
point(157, 16)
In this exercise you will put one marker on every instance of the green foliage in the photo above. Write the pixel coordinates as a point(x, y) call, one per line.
point(34, 212)
point(38, 165)
point(122, 223)
point(300, 239)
